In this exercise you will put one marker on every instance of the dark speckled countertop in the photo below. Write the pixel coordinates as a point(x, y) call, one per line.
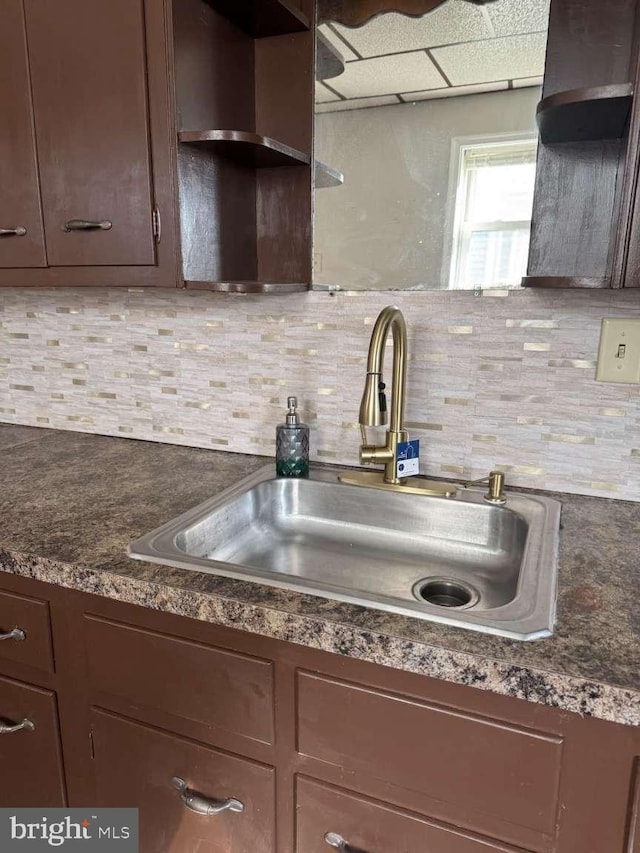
point(70, 503)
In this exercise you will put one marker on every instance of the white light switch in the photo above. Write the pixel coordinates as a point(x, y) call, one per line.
point(619, 354)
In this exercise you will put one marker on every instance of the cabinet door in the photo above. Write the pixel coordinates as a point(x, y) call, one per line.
point(88, 70)
point(135, 766)
point(20, 217)
point(29, 747)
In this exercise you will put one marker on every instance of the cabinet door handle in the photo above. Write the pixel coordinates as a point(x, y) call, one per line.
point(87, 225)
point(19, 231)
point(200, 804)
point(25, 726)
point(336, 841)
point(14, 634)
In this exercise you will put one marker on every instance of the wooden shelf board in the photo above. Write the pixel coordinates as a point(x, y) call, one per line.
point(329, 62)
point(263, 18)
point(585, 115)
point(247, 286)
point(326, 177)
point(247, 148)
point(559, 282)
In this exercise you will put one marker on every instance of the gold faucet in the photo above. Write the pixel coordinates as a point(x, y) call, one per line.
point(373, 405)
point(373, 412)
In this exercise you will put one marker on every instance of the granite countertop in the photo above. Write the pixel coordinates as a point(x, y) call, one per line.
point(70, 503)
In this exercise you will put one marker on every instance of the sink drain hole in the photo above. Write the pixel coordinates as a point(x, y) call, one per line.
point(446, 592)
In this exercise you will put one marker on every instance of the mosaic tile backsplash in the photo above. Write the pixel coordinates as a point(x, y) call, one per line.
point(502, 380)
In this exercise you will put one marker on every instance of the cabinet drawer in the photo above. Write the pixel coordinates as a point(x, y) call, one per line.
point(135, 766)
point(31, 616)
point(372, 827)
point(225, 691)
point(29, 757)
point(489, 776)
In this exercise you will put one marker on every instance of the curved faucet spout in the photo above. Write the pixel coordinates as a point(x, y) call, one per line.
point(372, 411)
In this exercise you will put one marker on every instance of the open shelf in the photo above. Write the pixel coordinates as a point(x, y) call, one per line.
point(326, 177)
point(249, 149)
point(559, 282)
point(244, 70)
point(263, 18)
point(585, 115)
point(329, 62)
point(247, 286)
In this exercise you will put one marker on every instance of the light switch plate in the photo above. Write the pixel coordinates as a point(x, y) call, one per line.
point(619, 354)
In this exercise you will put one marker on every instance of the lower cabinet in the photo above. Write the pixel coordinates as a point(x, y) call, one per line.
point(191, 797)
point(30, 759)
point(232, 743)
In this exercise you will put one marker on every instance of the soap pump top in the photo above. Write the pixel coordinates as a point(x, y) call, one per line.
point(292, 444)
point(293, 418)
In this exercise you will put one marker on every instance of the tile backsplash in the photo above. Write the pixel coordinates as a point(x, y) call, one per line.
point(502, 380)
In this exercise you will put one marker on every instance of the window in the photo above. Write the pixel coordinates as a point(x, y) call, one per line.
point(492, 221)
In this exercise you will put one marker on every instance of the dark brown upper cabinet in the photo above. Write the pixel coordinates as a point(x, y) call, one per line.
point(157, 143)
point(85, 144)
point(583, 229)
point(21, 233)
point(88, 78)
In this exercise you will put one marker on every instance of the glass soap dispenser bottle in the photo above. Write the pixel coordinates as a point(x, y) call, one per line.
point(292, 444)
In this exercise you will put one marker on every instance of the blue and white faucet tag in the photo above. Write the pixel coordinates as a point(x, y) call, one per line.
point(408, 458)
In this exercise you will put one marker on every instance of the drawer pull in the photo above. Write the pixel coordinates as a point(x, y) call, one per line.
point(203, 805)
point(19, 231)
point(338, 843)
point(15, 634)
point(25, 726)
point(87, 225)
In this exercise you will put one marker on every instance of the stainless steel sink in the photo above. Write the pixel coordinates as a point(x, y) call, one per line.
point(455, 560)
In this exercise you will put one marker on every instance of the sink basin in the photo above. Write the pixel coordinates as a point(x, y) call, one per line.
point(457, 560)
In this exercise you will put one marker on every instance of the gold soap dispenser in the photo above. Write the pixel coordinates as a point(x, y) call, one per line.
point(292, 444)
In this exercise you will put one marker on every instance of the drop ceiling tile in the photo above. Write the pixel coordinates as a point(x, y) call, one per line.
point(324, 95)
point(512, 17)
point(453, 22)
point(386, 75)
point(336, 41)
point(495, 59)
point(455, 91)
point(525, 82)
point(358, 104)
